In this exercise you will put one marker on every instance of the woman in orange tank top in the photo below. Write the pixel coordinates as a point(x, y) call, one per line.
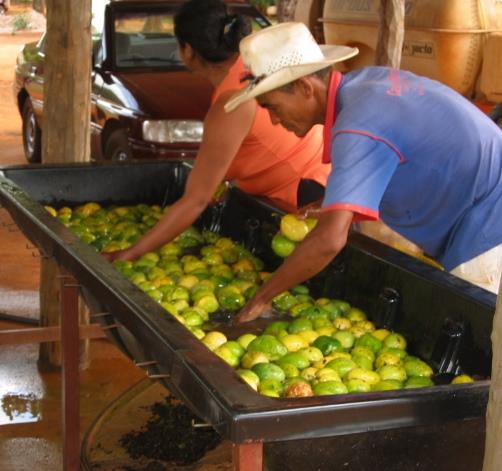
point(243, 146)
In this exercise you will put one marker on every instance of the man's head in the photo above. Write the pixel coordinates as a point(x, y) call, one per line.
point(285, 64)
point(298, 105)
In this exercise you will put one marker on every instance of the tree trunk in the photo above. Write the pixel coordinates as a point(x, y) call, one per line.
point(286, 10)
point(493, 450)
point(391, 33)
point(65, 134)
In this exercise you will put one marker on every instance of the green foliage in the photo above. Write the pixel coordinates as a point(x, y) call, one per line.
point(263, 4)
point(21, 21)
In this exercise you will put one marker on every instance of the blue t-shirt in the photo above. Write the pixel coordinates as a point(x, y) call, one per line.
point(418, 155)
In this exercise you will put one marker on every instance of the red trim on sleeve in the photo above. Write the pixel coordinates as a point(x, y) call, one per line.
point(361, 213)
point(374, 137)
point(329, 121)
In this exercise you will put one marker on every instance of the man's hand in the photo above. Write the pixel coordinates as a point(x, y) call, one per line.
point(310, 210)
point(252, 310)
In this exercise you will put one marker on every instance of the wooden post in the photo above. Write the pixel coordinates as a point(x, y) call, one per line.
point(391, 33)
point(493, 450)
point(65, 132)
point(286, 10)
point(71, 381)
point(248, 456)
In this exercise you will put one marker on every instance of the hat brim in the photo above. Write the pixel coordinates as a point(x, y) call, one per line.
point(332, 54)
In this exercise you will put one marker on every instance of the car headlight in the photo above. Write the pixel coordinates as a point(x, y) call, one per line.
point(172, 130)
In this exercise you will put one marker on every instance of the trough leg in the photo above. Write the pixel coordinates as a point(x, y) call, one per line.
point(70, 377)
point(248, 456)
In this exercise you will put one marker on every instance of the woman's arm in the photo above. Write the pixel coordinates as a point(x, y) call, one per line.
point(223, 136)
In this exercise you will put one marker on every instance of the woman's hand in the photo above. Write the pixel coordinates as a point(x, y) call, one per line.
point(126, 254)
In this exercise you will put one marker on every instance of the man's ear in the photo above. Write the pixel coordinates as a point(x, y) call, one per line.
point(305, 87)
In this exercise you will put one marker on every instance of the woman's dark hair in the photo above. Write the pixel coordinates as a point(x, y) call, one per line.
point(209, 29)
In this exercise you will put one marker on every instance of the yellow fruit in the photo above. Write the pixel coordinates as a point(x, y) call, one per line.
point(214, 339)
point(294, 342)
point(293, 228)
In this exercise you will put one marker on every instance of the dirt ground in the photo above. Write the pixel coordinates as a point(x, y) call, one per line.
point(19, 268)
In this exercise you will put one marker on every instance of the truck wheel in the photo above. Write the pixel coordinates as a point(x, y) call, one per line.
point(117, 146)
point(32, 135)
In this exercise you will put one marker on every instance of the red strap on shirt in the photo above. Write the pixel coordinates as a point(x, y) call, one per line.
point(334, 83)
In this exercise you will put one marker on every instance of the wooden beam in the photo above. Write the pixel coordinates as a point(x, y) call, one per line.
point(248, 456)
point(391, 33)
point(47, 334)
point(65, 134)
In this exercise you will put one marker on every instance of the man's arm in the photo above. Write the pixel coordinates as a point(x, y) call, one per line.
point(309, 258)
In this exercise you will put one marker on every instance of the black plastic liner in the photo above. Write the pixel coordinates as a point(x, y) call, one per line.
point(447, 322)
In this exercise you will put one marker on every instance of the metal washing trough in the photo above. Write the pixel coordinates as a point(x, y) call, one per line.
point(447, 322)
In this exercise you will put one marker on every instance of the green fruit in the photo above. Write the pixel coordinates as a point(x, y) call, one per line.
point(298, 309)
point(228, 356)
point(276, 327)
point(395, 341)
point(418, 382)
point(357, 385)
point(394, 372)
point(362, 361)
point(283, 302)
point(312, 354)
point(269, 371)
point(269, 345)
point(282, 246)
point(326, 374)
point(315, 313)
point(330, 387)
point(387, 385)
point(246, 339)
point(193, 318)
point(299, 325)
point(342, 305)
point(367, 340)
point(341, 365)
point(355, 315)
point(250, 378)
point(290, 370)
point(249, 359)
point(346, 338)
point(293, 342)
point(235, 347)
point(387, 358)
point(214, 339)
point(300, 289)
point(417, 368)
point(270, 387)
point(327, 344)
point(368, 376)
point(298, 359)
point(229, 299)
point(209, 303)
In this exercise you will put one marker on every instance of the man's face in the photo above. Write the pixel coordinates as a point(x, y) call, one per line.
point(291, 109)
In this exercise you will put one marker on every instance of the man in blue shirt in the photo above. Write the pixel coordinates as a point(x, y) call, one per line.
point(404, 149)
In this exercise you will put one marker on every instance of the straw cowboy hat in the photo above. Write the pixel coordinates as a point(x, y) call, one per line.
point(280, 54)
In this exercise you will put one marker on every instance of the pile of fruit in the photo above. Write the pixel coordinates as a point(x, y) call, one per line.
point(326, 346)
point(292, 230)
point(193, 276)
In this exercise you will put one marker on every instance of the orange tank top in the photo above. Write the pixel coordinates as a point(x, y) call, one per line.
point(271, 160)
